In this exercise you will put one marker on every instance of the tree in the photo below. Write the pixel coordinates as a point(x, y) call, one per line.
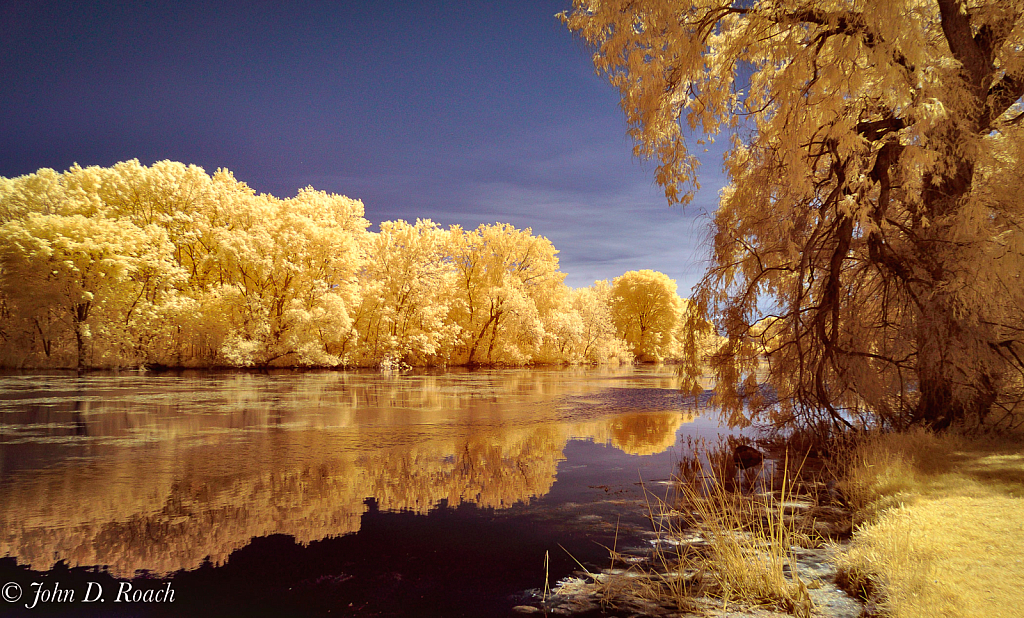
point(598, 337)
point(87, 275)
point(167, 264)
point(581, 329)
point(404, 308)
point(41, 192)
point(288, 277)
point(505, 282)
point(648, 313)
point(873, 215)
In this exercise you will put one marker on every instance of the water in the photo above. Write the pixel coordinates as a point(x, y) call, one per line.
point(298, 493)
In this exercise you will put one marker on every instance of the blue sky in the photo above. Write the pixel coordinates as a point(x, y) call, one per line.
point(461, 112)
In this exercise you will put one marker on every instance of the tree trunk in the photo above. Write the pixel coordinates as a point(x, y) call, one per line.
point(80, 344)
point(479, 338)
point(940, 406)
point(80, 316)
point(953, 382)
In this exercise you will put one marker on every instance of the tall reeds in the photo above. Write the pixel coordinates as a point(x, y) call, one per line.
point(719, 539)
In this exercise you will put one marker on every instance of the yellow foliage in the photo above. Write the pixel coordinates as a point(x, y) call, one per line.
point(873, 214)
point(135, 265)
point(648, 313)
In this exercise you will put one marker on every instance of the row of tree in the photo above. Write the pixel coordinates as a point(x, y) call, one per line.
point(134, 265)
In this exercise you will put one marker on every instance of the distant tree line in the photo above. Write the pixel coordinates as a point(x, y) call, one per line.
point(167, 265)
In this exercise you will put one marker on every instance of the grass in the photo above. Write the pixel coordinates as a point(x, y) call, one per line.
point(716, 544)
point(749, 538)
point(939, 531)
point(941, 524)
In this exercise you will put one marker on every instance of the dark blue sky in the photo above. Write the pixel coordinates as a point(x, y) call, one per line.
point(462, 112)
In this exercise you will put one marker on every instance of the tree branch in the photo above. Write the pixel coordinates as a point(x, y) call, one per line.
point(956, 26)
point(876, 129)
point(848, 23)
point(1001, 96)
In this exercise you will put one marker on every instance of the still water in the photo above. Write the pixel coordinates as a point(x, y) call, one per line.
point(299, 493)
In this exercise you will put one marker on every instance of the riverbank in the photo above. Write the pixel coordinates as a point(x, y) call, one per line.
point(940, 525)
point(758, 543)
point(938, 531)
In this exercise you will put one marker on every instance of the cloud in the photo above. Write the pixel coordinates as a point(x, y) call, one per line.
point(584, 191)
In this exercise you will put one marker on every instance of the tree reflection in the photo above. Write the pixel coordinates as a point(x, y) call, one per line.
point(193, 471)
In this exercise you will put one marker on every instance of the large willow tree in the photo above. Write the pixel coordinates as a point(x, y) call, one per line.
point(869, 245)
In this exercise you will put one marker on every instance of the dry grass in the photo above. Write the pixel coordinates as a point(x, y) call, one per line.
point(942, 529)
point(749, 540)
point(719, 544)
point(941, 532)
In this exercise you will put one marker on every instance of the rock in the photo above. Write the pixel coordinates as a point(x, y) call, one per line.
point(747, 457)
point(789, 506)
point(834, 603)
point(526, 609)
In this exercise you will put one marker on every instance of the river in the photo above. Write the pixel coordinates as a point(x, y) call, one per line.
point(295, 493)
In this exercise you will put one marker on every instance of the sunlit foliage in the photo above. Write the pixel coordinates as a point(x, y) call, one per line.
point(86, 280)
point(872, 229)
point(405, 297)
point(167, 265)
point(504, 280)
point(582, 329)
point(648, 313)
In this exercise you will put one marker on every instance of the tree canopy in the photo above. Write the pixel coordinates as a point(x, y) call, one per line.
point(648, 313)
point(167, 265)
point(869, 245)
